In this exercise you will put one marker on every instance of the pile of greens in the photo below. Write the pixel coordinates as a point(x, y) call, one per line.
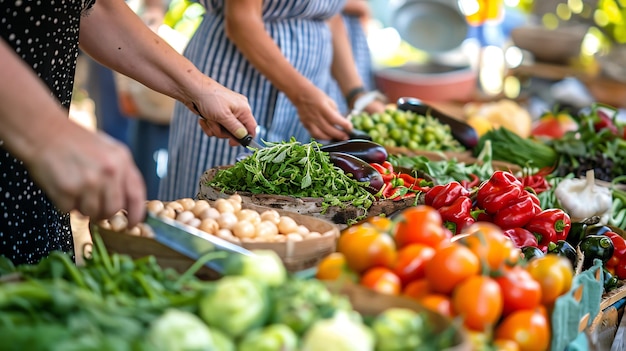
point(293, 169)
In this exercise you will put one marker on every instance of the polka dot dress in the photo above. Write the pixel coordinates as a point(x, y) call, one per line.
point(44, 33)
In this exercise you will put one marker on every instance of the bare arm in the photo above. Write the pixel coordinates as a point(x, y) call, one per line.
point(116, 37)
point(245, 27)
point(75, 167)
point(359, 8)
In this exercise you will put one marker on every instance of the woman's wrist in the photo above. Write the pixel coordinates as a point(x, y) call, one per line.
point(353, 94)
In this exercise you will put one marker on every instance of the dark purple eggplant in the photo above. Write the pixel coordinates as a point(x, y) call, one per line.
point(360, 170)
point(460, 130)
point(367, 151)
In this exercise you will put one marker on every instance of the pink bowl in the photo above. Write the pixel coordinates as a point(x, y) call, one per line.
point(430, 82)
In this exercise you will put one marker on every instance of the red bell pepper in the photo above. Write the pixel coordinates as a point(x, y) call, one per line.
point(516, 214)
point(473, 182)
point(521, 237)
point(550, 225)
point(617, 262)
point(385, 172)
point(501, 190)
point(536, 201)
point(444, 194)
point(457, 215)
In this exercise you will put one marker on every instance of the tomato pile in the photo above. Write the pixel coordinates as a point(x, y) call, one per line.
point(477, 275)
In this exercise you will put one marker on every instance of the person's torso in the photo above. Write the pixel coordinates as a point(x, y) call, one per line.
point(288, 9)
point(45, 35)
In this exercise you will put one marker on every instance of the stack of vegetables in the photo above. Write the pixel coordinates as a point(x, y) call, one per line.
point(478, 276)
point(117, 303)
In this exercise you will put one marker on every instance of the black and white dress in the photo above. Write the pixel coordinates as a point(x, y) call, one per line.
point(44, 33)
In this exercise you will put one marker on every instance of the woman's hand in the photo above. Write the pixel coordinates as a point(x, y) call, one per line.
point(320, 116)
point(225, 114)
point(89, 172)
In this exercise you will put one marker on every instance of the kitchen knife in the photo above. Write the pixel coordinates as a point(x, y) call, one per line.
point(191, 242)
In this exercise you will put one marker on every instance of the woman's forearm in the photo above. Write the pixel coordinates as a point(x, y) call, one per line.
point(245, 27)
point(343, 67)
point(28, 111)
point(116, 37)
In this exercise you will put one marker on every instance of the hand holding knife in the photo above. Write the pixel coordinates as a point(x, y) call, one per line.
point(246, 140)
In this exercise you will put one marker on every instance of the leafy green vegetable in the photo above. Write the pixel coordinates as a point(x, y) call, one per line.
point(177, 330)
point(293, 169)
point(274, 337)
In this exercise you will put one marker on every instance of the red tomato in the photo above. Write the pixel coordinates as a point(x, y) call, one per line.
point(382, 280)
point(420, 225)
point(416, 289)
point(528, 328)
point(519, 290)
point(478, 300)
point(411, 262)
point(439, 303)
point(554, 126)
point(364, 247)
point(449, 266)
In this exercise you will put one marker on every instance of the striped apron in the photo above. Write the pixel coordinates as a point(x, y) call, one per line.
point(300, 30)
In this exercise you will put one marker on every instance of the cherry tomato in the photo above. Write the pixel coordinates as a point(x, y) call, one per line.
point(411, 262)
point(382, 280)
point(333, 267)
point(364, 247)
point(528, 328)
point(416, 289)
point(439, 303)
point(420, 225)
point(478, 300)
point(520, 291)
point(554, 274)
point(449, 266)
point(488, 242)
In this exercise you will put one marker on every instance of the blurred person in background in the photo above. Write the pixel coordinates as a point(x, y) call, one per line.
point(282, 55)
point(50, 165)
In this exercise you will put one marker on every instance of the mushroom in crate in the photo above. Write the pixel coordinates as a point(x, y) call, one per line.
point(300, 241)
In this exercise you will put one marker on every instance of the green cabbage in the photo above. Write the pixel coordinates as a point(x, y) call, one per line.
point(275, 337)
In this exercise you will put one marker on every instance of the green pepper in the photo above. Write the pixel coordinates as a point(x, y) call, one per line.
point(531, 252)
point(565, 249)
point(596, 247)
point(609, 280)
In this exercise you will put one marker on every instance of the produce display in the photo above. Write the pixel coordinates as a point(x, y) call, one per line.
point(397, 128)
point(478, 276)
point(116, 303)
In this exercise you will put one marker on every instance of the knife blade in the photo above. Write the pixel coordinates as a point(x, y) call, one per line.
point(192, 242)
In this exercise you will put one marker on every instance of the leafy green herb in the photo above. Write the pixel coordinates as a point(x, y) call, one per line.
point(294, 169)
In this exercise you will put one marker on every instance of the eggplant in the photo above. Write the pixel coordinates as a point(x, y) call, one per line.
point(610, 281)
point(360, 170)
point(531, 252)
point(596, 247)
point(366, 150)
point(460, 130)
point(565, 249)
point(578, 230)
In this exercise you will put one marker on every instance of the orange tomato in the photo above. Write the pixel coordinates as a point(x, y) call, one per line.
point(530, 329)
point(365, 247)
point(490, 244)
point(554, 274)
point(416, 289)
point(438, 303)
point(505, 345)
point(333, 267)
point(411, 261)
point(382, 280)
point(383, 224)
point(420, 225)
point(449, 266)
point(478, 300)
